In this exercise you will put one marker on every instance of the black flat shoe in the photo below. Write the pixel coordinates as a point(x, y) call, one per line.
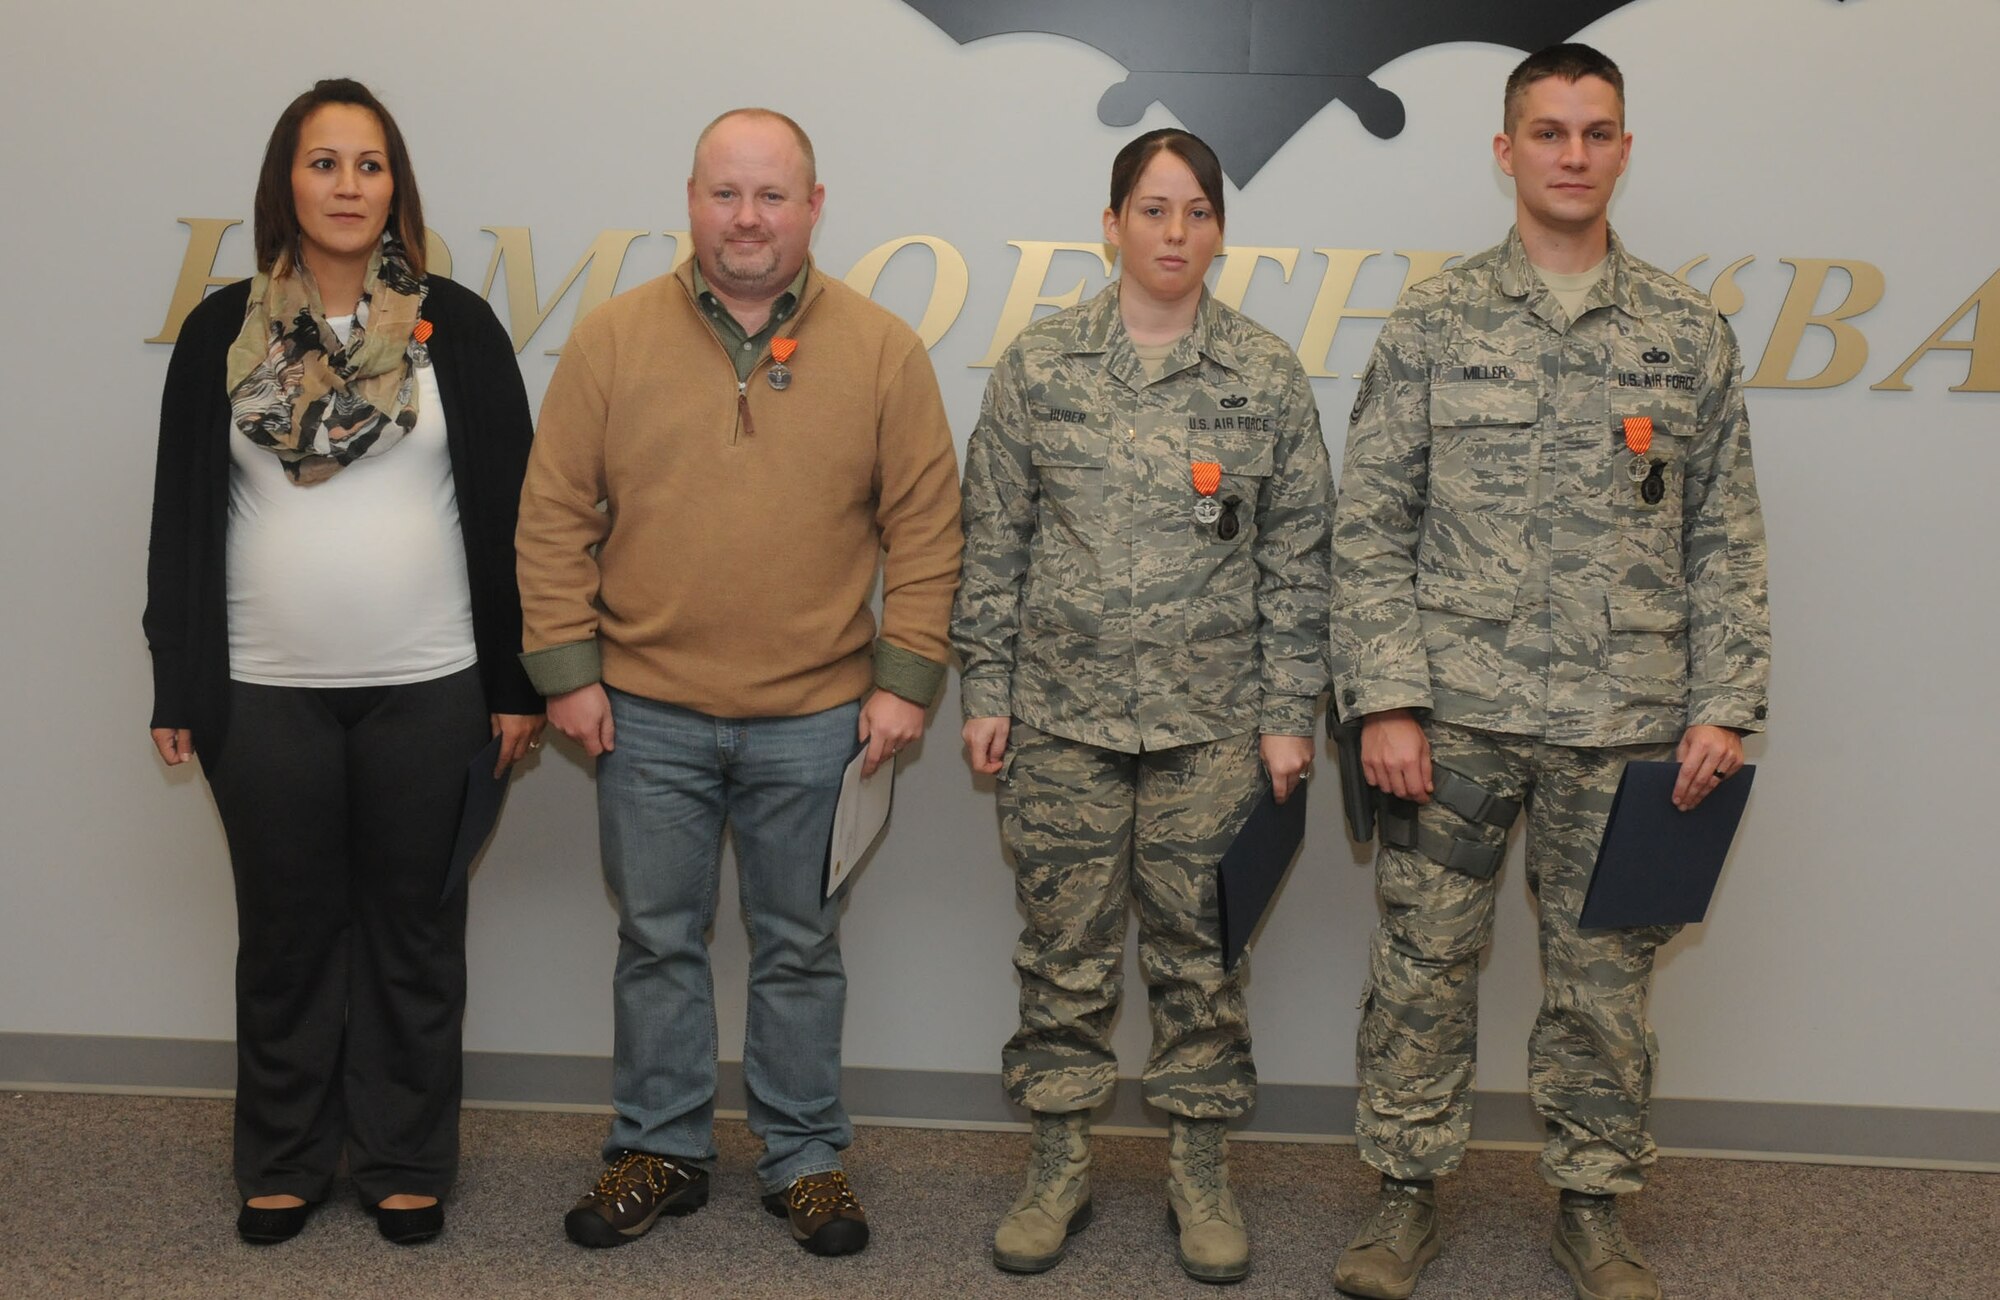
point(410, 1227)
point(269, 1226)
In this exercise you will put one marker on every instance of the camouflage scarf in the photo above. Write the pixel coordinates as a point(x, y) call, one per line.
point(298, 392)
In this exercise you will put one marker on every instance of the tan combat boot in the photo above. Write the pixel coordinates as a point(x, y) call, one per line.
point(1593, 1249)
point(1055, 1205)
point(1200, 1207)
point(1385, 1257)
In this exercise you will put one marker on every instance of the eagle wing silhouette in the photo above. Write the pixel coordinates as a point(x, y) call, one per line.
point(1245, 75)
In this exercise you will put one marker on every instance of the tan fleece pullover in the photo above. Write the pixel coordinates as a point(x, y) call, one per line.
point(742, 522)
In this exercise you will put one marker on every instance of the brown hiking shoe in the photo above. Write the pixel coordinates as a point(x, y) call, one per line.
point(631, 1194)
point(1385, 1257)
point(1593, 1249)
point(824, 1215)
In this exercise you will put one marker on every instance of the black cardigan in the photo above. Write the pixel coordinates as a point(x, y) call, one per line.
point(488, 428)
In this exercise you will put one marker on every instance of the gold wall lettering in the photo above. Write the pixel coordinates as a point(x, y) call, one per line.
point(1982, 369)
point(1332, 304)
point(1724, 293)
point(1800, 309)
point(197, 275)
point(514, 248)
point(1030, 274)
point(437, 254)
point(598, 268)
point(1239, 264)
point(950, 282)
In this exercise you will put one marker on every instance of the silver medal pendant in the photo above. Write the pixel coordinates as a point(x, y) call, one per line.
point(1207, 511)
point(1638, 468)
point(780, 377)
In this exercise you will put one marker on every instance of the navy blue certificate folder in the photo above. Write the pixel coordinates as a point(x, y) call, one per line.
point(477, 816)
point(1658, 865)
point(1254, 866)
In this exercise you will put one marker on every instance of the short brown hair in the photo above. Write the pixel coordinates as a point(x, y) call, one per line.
point(769, 115)
point(1572, 62)
point(277, 220)
point(1130, 164)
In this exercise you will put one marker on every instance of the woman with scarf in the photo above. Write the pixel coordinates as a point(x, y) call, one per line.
point(335, 631)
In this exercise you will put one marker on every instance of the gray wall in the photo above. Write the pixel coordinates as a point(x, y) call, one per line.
point(1848, 959)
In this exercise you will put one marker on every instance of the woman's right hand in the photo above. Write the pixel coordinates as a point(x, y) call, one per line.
point(176, 744)
point(986, 743)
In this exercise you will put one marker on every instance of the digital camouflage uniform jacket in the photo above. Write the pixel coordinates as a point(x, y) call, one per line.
point(1500, 557)
point(1092, 603)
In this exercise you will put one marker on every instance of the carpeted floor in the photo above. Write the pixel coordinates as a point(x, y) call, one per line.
point(131, 1197)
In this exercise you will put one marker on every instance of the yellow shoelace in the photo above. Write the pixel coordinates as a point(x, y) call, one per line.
point(630, 1172)
point(822, 1194)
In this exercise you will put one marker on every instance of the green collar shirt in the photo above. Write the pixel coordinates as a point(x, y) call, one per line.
point(745, 349)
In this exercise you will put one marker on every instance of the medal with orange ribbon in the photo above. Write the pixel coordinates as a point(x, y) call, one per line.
point(1638, 441)
point(1648, 474)
point(781, 351)
point(1207, 475)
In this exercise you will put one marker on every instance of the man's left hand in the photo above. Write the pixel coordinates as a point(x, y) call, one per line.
point(888, 722)
point(1708, 756)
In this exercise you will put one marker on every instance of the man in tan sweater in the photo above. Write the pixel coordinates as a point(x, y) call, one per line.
point(759, 436)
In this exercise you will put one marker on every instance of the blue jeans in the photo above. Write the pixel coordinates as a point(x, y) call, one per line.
point(663, 795)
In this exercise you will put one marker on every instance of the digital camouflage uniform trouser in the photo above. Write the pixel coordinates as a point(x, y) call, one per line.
point(1591, 1054)
point(1089, 827)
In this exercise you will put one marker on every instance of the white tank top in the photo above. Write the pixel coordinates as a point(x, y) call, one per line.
point(356, 581)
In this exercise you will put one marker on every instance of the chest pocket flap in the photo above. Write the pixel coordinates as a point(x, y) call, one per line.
point(1248, 457)
point(1674, 415)
point(1069, 446)
point(1470, 403)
